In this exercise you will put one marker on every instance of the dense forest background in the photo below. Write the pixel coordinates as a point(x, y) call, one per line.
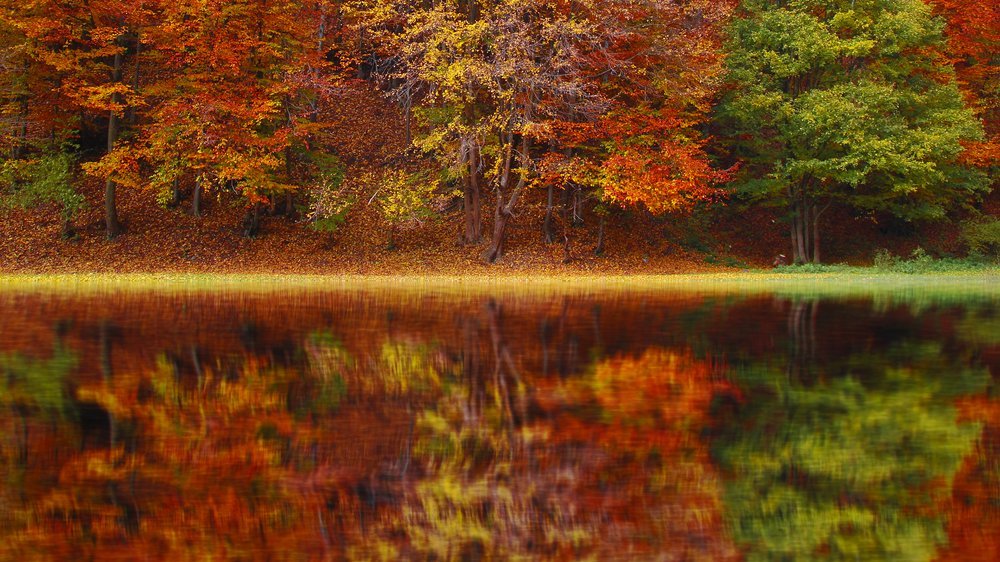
point(432, 135)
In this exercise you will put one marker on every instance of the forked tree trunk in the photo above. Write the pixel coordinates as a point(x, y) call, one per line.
point(506, 204)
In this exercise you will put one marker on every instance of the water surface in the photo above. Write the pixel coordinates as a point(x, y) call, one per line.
point(379, 425)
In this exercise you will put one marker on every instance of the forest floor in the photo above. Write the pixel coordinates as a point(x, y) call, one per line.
point(159, 239)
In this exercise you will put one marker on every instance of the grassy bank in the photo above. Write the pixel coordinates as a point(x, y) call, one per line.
point(983, 283)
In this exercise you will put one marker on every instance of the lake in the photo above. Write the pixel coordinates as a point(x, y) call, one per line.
point(368, 425)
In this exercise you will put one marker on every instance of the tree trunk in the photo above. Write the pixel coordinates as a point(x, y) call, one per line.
point(599, 249)
point(68, 231)
point(793, 224)
point(567, 255)
point(577, 206)
point(22, 130)
point(550, 236)
point(801, 249)
point(391, 246)
point(472, 201)
point(815, 235)
point(803, 232)
point(815, 226)
point(175, 190)
point(251, 223)
point(110, 209)
point(196, 198)
point(505, 210)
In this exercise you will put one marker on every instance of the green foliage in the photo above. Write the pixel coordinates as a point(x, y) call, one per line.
point(28, 183)
point(405, 199)
point(847, 467)
point(919, 262)
point(37, 383)
point(847, 102)
point(330, 199)
point(982, 236)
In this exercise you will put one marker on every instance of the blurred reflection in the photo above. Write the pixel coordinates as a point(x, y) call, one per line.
point(382, 427)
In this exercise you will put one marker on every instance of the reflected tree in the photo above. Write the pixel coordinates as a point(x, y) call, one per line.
point(849, 465)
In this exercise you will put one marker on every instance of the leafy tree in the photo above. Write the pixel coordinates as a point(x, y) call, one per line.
point(48, 178)
point(845, 102)
point(973, 35)
point(330, 195)
point(494, 83)
point(233, 105)
point(81, 49)
point(405, 199)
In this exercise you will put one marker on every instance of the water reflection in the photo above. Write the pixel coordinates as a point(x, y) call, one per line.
point(374, 426)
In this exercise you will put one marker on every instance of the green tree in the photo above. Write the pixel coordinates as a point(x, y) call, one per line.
point(848, 102)
point(48, 178)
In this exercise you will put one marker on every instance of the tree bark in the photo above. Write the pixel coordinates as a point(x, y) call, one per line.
point(567, 255)
point(196, 198)
point(175, 193)
point(472, 204)
point(22, 119)
point(577, 206)
point(251, 223)
point(505, 209)
point(550, 236)
point(599, 249)
point(814, 227)
point(110, 208)
point(800, 228)
point(792, 236)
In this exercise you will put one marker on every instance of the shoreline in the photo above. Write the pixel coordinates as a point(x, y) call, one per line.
point(981, 283)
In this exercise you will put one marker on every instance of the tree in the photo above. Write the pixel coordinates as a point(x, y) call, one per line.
point(494, 82)
point(972, 36)
point(84, 46)
point(233, 104)
point(435, 52)
point(848, 103)
point(43, 178)
point(38, 161)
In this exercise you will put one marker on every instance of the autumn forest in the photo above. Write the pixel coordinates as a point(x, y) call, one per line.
point(583, 126)
point(693, 280)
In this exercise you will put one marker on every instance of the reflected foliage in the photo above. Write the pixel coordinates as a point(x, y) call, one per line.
point(375, 428)
point(851, 463)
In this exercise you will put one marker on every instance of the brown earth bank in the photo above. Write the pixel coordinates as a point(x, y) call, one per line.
point(159, 239)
